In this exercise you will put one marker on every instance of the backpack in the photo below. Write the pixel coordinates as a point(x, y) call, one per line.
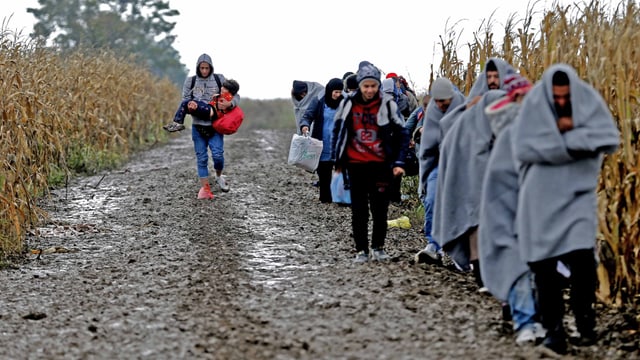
point(193, 83)
point(230, 122)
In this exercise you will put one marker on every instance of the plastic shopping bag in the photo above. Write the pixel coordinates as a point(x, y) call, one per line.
point(340, 188)
point(305, 152)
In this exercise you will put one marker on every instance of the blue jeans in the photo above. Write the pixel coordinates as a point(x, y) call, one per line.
point(203, 111)
point(428, 201)
point(201, 144)
point(522, 302)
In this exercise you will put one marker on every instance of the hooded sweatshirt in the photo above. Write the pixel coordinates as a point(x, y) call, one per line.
point(204, 89)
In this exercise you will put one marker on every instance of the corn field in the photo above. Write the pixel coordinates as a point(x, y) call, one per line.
point(61, 114)
point(602, 44)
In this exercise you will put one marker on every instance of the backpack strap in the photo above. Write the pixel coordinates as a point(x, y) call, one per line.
point(193, 83)
point(215, 76)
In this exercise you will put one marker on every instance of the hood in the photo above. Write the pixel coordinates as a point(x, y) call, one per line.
point(203, 58)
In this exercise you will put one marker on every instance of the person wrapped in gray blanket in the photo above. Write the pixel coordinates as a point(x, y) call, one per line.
point(563, 130)
point(463, 158)
point(492, 77)
point(444, 98)
point(504, 273)
point(303, 93)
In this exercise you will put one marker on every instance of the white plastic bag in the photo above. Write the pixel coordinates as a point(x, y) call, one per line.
point(305, 152)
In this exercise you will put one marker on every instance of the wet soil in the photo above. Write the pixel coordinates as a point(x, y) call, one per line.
point(135, 267)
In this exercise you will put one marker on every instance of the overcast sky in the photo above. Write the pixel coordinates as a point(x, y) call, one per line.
point(265, 45)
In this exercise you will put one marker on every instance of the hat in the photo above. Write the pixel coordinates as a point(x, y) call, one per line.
point(516, 84)
point(367, 70)
point(392, 75)
point(347, 74)
point(442, 89)
point(352, 82)
point(298, 87)
point(333, 84)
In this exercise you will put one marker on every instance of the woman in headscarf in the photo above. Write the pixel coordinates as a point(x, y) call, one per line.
point(319, 120)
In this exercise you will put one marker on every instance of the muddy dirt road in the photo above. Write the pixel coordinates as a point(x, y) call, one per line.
point(144, 270)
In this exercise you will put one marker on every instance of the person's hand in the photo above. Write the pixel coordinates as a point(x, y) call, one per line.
point(412, 144)
point(305, 130)
point(473, 101)
point(565, 123)
point(398, 171)
point(192, 105)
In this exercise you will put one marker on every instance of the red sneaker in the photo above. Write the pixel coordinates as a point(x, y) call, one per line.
point(205, 193)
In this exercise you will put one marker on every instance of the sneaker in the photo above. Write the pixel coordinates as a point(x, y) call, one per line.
point(173, 127)
point(222, 183)
point(361, 257)
point(540, 332)
point(484, 290)
point(205, 193)
point(380, 255)
point(526, 336)
point(429, 255)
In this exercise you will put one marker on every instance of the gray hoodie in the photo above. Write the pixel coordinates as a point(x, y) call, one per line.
point(204, 89)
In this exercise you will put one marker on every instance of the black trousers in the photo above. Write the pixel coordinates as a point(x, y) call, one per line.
point(370, 184)
point(325, 170)
point(395, 193)
point(582, 283)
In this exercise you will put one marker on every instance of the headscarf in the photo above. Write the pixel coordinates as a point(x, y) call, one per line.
point(333, 84)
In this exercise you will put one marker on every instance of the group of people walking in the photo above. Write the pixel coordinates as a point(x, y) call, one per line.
point(507, 175)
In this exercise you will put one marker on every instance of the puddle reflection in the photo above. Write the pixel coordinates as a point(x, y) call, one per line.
point(273, 258)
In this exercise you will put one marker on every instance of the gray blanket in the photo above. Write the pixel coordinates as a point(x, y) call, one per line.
point(480, 86)
point(431, 137)
point(448, 120)
point(498, 249)
point(462, 163)
point(557, 204)
point(314, 91)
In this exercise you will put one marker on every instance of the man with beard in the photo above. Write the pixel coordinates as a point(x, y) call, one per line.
point(560, 136)
point(491, 78)
point(443, 99)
